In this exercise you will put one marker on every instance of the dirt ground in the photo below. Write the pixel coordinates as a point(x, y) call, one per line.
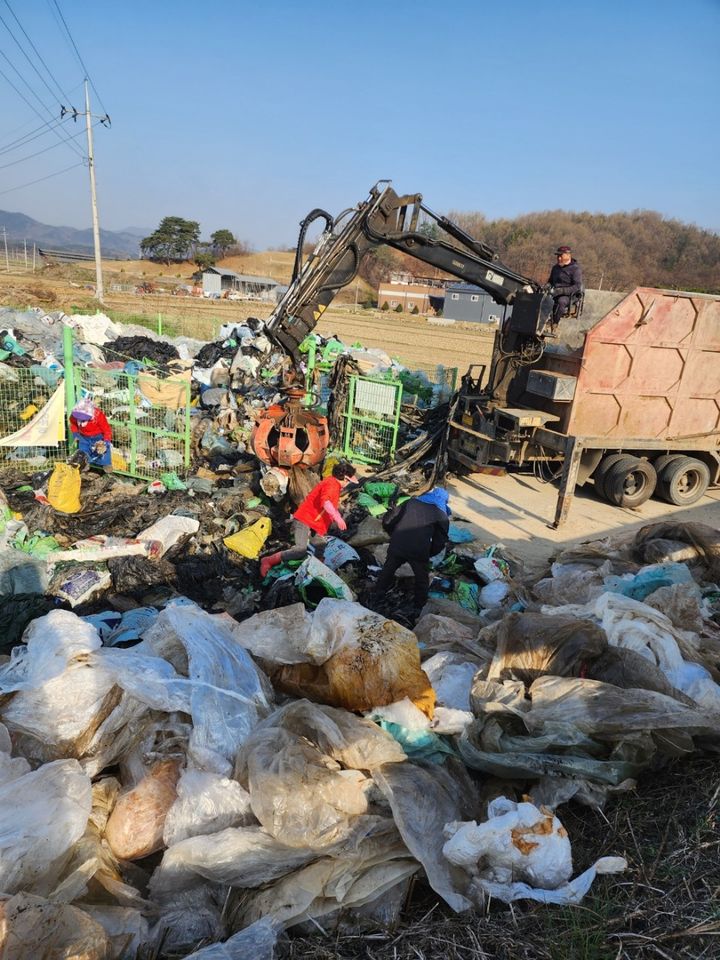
point(412, 340)
point(517, 510)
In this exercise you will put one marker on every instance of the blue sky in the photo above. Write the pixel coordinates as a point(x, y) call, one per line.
point(246, 116)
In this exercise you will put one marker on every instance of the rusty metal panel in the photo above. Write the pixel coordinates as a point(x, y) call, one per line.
point(651, 369)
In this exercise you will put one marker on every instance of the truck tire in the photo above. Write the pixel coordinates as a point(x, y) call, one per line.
point(630, 482)
point(602, 470)
point(683, 481)
point(660, 463)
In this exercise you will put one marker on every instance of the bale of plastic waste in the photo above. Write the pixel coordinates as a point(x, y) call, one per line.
point(135, 828)
point(43, 813)
point(304, 769)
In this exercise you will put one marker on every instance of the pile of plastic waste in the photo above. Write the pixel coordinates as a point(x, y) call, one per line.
point(179, 780)
point(199, 761)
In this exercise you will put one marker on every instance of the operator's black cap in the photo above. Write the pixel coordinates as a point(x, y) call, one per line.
point(562, 250)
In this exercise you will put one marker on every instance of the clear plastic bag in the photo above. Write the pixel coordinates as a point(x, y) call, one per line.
point(42, 815)
point(227, 693)
point(256, 942)
point(66, 702)
point(367, 661)
point(302, 769)
point(206, 803)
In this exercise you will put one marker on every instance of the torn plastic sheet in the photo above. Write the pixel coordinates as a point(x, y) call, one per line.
point(248, 857)
point(634, 625)
point(224, 691)
point(422, 802)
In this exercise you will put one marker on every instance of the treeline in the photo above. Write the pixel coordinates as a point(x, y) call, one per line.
point(617, 251)
point(176, 240)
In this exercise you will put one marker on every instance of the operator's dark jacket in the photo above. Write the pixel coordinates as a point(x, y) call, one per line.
point(566, 280)
point(417, 530)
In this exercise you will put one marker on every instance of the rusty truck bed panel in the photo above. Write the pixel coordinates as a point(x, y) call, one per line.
point(649, 368)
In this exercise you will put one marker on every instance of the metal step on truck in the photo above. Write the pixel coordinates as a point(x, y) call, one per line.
point(627, 396)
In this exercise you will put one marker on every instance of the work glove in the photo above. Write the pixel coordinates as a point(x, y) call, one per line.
point(100, 447)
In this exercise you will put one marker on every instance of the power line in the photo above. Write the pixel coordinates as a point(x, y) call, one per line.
point(77, 53)
point(37, 153)
point(37, 52)
point(32, 106)
point(29, 137)
point(29, 60)
point(30, 183)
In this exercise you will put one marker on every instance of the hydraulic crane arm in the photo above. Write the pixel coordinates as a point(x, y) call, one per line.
point(386, 218)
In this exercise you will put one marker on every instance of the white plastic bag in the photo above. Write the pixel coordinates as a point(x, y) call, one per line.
point(451, 676)
point(167, 531)
point(517, 842)
point(42, 815)
point(206, 803)
point(520, 852)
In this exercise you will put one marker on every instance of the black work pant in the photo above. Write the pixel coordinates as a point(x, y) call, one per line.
point(421, 572)
point(560, 308)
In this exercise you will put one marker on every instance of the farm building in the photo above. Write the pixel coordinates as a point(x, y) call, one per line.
point(216, 281)
point(464, 301)
point(410, 293)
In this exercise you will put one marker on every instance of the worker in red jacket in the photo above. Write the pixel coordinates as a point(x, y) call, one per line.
point(314, 517)
point(92, 431)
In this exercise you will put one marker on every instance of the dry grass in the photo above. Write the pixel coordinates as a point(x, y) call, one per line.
point(664, 906)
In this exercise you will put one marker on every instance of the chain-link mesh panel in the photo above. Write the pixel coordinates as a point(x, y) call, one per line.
point(371, 419)
point(24, 394)
point(428, 385)
point(149, 416)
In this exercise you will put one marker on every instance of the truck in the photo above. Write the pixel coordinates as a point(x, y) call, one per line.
point(624, 391)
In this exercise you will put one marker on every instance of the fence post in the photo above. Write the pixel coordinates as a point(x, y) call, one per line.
point(68, 362)
point(348, 414)
point(159, 325)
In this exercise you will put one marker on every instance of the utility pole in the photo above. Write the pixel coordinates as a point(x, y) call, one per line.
point(99, 290)
point(7, 260)
point(25, 244)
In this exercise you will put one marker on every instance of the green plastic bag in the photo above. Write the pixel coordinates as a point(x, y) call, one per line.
point(381, 490)
point(172, 481)
point(372, 506)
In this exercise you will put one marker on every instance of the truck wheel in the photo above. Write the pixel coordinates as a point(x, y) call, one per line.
point(630, 482)
point(602, 470)
point(683, 481)
point(660, 463)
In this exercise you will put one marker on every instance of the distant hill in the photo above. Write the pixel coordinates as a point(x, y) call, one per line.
point(119, 245)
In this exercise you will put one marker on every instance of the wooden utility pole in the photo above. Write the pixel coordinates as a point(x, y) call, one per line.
point(99, 290)
point(7, 259)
